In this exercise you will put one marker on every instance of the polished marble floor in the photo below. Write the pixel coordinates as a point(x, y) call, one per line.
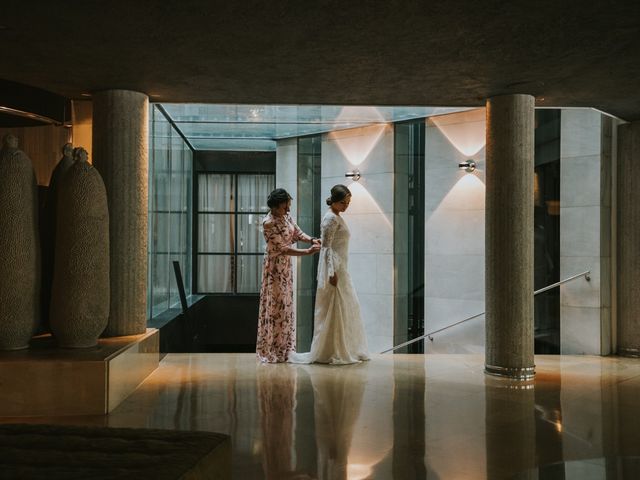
point(399, 416)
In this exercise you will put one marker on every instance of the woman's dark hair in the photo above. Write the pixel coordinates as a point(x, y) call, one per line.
point(338, 193)
point(278, 197)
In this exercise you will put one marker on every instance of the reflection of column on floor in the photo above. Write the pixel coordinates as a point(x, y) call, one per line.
point(550, 419)
point(337, 393)
point(510, 431)
point(627, 423)
point(276, 397)
point(409, 421)
point(306, 459)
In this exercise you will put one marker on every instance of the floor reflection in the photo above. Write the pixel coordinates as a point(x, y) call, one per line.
point(337, 393)
point(276, 397)
point(609, 468)
point(398, 416)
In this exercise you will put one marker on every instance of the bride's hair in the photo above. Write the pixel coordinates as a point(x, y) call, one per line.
point(338, 193)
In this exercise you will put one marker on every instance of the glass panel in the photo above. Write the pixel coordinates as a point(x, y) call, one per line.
point(170, 204)
point(242, 144)
point(215, 274)
point(250, 237)
point(160, 237)
point(546, 193)
point(216, 233)
point(215, 193)
point(188, 208)
point(160, 285)
point(177, 193)
point(216, 126)
point(161, 173)
point(249, 273)
point(253, 191)
point(309, 212)
point(409, 231)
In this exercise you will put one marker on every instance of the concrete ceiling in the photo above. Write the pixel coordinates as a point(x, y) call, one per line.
point(438, 53)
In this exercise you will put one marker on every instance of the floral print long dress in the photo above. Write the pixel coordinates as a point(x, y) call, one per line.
point(277, 318)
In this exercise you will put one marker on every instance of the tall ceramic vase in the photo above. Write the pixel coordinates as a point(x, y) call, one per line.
point(19, 247)
point(80, 291)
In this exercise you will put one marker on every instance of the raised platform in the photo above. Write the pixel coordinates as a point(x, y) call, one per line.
point(46, 380)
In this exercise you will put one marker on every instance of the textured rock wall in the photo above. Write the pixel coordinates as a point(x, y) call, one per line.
point(81, 291)
point(19, 251)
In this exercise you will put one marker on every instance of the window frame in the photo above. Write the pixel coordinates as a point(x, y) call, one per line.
point(196, 224)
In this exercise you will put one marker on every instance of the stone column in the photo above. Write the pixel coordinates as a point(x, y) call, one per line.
point(120, 153)
point(628, 240)
point(509, 236)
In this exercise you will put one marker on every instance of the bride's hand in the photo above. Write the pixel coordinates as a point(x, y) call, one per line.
point(334, 280)
point(316, 241)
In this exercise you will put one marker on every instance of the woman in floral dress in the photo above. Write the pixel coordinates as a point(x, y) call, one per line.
point(277, 319)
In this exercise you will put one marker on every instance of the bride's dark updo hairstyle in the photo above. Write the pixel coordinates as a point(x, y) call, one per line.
point(338, 193)
point(278, 197)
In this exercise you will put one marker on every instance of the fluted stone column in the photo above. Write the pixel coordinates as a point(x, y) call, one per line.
point(628, 248)
point(120, 153)
point(509, 236)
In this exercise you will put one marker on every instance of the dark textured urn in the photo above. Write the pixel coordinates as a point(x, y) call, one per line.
point(19, 250)
point(80, 292)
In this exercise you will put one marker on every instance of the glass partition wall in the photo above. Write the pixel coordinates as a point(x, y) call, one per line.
point(409, 233)
point(546, 191)
point(170, 177)
point(308, 218)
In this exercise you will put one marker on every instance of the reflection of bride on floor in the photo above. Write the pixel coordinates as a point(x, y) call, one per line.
point(338, 331)
point(337, 395)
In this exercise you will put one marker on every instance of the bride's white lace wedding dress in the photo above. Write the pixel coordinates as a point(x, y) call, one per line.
point(338, 336)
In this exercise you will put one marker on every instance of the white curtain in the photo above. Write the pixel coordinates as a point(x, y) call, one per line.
point(215, 232)
point(252, 197)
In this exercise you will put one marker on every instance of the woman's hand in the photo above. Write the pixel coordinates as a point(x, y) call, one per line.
point(334, 280)
point(316, 241)
point(314, 248)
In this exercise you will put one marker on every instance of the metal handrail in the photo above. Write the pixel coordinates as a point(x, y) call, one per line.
point(586, 276)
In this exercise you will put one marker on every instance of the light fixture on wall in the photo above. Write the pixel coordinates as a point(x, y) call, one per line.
point(468, 166)
point(354, 174)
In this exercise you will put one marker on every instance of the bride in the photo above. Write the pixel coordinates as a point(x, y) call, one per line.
point(338, 336)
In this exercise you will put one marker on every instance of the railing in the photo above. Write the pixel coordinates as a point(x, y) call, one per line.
point(429, 335)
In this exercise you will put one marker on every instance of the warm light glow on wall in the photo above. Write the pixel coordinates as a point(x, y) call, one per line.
point(357, 143)
point(466, 194)
point(363, 202)
point(465, 130)
point(358, 472)
point(447, 231)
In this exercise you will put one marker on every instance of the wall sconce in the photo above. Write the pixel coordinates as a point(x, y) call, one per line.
point(355, 175)
point(468, 166)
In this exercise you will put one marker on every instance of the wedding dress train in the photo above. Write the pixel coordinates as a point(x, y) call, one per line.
point(338, 336)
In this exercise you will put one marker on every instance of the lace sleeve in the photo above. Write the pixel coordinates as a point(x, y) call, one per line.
point(329, 261)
